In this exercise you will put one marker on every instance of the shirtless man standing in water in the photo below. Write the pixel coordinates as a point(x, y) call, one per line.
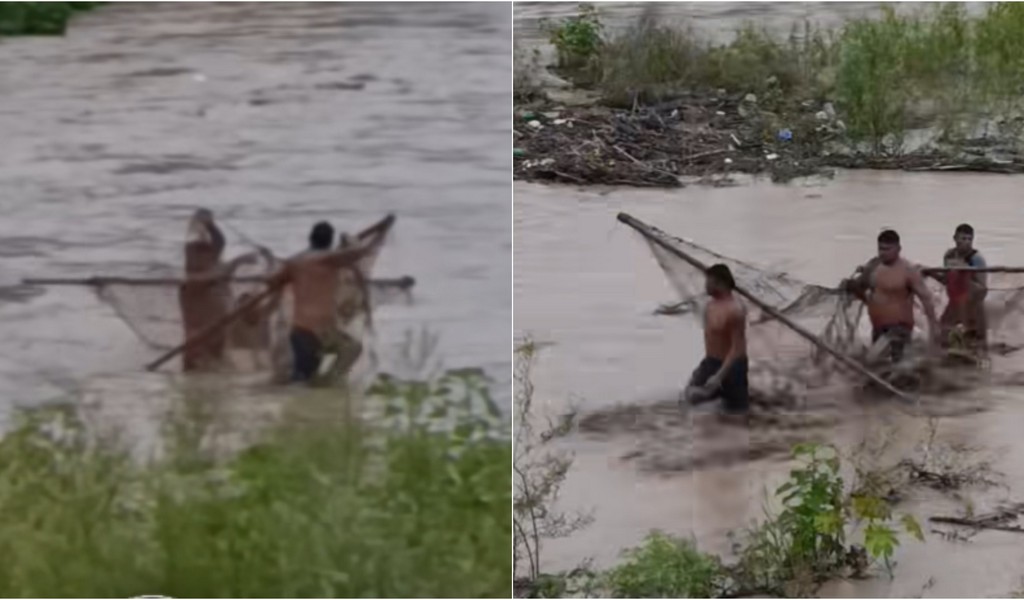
point(314, 277)
point(205, 295)
point(888, 284)
point(723, 372)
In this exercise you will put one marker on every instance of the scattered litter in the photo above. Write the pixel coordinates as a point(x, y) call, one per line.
point(560, 121)
point(720, 113)
point(518, 152)
point(772, 156)
point(535, 124)
point(785, 135)
point(728, 161)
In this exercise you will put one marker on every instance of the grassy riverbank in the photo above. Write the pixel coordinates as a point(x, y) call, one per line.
point(414, 506)
point(39, 18)
point(863, 89)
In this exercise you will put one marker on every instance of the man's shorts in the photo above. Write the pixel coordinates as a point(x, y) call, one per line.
point(899, 337)
point(735, 393)
point(307, 352)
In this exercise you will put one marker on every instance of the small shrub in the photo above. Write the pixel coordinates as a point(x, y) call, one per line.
point(577, 39)
point(807, 541)
point(666, 567)
point(38, 18)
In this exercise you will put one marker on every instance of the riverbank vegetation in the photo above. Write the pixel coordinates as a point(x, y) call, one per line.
point(39, 18)
point(933, 83)
point(817, 526)
point(414, 505)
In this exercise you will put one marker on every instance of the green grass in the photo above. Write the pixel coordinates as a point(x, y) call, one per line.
point(932, 67)
point(415, 506)
point(39, 18)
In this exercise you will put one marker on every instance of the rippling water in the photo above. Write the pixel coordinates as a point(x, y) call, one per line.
point(275, 115)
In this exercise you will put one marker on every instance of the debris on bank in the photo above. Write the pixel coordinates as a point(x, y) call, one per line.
point(709, 137)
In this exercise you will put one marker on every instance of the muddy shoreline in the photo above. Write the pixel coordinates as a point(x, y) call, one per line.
point(705, 137)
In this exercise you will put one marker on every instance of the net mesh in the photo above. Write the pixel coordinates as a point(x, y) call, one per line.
point(829, 313)
point(258, 340)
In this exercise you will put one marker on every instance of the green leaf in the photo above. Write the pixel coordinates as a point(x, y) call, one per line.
point(912, 527)
point(880, 540)
point(827, 523)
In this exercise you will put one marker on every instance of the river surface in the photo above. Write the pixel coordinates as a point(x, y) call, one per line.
point(587, 285)
point(274, 115)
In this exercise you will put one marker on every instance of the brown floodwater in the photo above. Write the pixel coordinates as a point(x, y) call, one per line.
point(274, 115)
point(587, 285)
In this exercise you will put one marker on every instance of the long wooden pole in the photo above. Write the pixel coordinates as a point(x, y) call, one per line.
point(403, 282)
point(973, 269)
point(647, 232)
point(214, 327)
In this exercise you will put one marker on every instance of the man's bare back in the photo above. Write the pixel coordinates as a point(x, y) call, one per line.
point(314, 287)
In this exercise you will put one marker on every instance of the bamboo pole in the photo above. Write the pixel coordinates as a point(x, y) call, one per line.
point(214, 327)
point(647, 232)
point(927, 270)
point(378, 229)
point(403, 282)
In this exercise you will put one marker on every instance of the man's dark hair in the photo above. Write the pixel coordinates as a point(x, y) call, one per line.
point(889, 236)
point(722, 274)
point(322, 236)
point(965, 229)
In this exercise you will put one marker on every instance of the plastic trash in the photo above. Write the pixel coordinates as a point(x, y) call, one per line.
point(535, 124)
point(518, 152)
point(772, 156)
point(785, 135)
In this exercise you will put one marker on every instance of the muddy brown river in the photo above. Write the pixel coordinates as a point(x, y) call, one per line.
point(586, 286)
point(275, 116)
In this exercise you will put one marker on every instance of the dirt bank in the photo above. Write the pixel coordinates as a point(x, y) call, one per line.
point(708, 136)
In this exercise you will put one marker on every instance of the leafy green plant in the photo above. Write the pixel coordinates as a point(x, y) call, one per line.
point(38, 18)
point(806, 542)
point(666, 567)
point(577, 39)
point(416, 507)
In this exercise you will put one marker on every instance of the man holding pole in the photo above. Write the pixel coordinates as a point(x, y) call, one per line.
point(314, 276)
point(965, 291)
point(723, 372)
point(205, 295)
point(888, 285)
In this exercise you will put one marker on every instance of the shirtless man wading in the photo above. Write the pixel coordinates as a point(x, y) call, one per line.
point(314, 276)
point(888, 284)
point(723, 372)
point(205, 296)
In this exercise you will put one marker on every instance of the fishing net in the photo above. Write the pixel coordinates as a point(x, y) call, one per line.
point(257, 341)
point(837, 318)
